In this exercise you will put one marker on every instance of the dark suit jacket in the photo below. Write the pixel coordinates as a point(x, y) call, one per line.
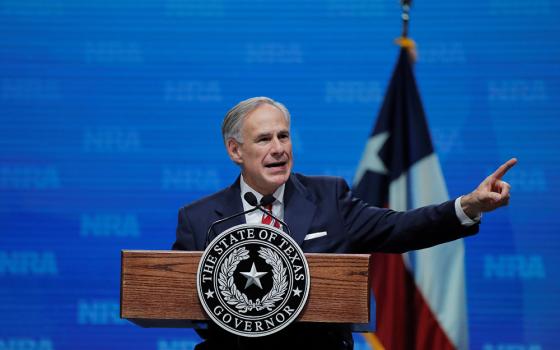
point(315, 204)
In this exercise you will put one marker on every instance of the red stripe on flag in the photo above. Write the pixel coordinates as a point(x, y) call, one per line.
point(404, 319)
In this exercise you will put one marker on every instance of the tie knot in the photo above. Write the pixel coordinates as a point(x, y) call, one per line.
point(268, 199)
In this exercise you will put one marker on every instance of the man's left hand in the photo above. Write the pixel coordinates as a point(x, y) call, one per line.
point(491, 194)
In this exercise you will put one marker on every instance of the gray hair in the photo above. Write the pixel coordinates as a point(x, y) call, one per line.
point(233, 121)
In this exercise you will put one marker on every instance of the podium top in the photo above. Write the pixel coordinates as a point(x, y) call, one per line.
point(159, 287)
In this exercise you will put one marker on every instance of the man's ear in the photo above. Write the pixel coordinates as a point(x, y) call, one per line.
point(234, 151)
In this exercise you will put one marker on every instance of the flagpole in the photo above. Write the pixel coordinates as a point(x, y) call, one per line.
point(404, 41)
point(405, 6)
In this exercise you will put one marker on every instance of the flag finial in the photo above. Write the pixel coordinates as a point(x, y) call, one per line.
point(405, 16)
point(404, 41)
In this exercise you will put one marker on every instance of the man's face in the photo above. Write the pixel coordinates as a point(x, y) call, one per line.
point(265, 155)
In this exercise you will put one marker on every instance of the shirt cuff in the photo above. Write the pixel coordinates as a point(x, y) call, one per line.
point(464, 218)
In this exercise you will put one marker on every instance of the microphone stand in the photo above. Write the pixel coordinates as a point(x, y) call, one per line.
point(252, 200)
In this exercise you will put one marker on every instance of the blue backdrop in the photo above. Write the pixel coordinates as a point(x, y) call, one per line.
point(110, 114)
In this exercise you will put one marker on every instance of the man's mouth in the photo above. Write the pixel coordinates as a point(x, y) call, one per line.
point(275, 164)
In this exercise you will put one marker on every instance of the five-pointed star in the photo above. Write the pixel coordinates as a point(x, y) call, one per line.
point(253, 277)
point(297, 292)
point(370, 159)
point(209, 294)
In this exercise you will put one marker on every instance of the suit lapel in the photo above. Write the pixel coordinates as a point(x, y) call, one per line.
point(230, 204)
point(299, 209)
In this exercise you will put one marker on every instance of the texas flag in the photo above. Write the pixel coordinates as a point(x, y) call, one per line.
point(420, 296)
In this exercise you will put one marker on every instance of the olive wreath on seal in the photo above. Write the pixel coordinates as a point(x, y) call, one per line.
point(239, 300)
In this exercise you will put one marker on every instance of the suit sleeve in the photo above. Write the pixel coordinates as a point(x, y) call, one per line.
point(373, 229)
point(184, 233)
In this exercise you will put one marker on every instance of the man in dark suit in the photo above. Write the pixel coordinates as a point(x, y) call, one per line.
point(321, 212)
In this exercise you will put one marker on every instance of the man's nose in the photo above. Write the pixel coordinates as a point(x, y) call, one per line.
point(276, 146)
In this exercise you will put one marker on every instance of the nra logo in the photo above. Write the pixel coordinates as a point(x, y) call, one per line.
point(33, 8)
point(99, 312)
point(25, 344)
point(194, 8)
point(190, 179)
point(356, 8)
point(273, 52)
point(25, 89)
point(520, 90)
point(529, 180)
point(505, 7)
point(111, 140)
point(511, 347)
point(448, 140)
point(510, 267)
point(192, 91)
point(113, 52)
point(29, 177)
point(453, 52)
point(28, 263)
point(353, 91)
point(109, 225)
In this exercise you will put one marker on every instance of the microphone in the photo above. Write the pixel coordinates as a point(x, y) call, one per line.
point(250, 198)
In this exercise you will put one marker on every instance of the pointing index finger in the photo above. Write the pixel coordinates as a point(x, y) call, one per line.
point(503, 169)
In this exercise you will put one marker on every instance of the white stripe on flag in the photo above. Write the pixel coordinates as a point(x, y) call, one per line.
point(438, 271)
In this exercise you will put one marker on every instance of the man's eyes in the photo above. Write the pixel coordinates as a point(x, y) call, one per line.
point(264, 139)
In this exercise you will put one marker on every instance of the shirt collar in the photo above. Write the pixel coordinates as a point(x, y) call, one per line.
point(278, 194)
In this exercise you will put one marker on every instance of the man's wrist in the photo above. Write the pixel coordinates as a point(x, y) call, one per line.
point(466, 217)
point(468, 208)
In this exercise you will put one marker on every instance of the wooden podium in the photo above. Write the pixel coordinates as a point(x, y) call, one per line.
point(158, 289)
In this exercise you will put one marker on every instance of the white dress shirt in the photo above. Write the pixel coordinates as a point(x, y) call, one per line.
point(255, 217)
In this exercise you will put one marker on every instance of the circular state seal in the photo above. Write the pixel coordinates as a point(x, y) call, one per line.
point(253, 280)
